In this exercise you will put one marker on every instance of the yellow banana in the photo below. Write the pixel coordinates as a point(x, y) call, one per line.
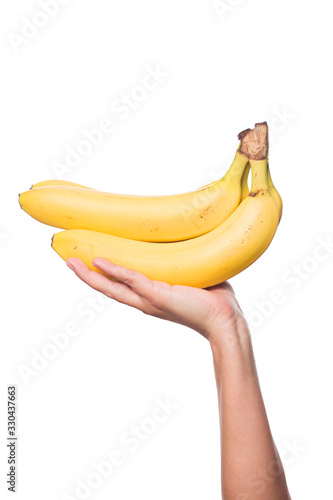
point(244, 186)
point(59, 183)
point(272, 188)
point(274, 192)
point(200, 262)
point(244, 182)
point(146, 218)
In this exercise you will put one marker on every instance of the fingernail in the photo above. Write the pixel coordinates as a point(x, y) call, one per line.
point(70, 266)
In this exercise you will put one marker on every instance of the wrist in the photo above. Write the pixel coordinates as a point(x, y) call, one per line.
point(232, 351)
point(232, 333)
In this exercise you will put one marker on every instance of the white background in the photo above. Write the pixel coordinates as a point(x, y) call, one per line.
point(258, 60)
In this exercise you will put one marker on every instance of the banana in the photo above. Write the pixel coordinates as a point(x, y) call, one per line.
point(244, 185)
point(274, 192)
point(272, 188)
point(199, 262)
point(146, 218)
point(61, 183)
point(58, 183)
point(244, 182)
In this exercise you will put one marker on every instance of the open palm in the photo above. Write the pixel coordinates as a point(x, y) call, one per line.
point(193, 307)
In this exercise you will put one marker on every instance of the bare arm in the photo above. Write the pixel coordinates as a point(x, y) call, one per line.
point(251, 467)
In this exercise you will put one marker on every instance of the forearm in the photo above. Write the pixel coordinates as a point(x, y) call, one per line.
point(251, 467)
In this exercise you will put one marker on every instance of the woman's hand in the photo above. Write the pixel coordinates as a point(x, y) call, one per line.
point(204, 310)
point(248, 447)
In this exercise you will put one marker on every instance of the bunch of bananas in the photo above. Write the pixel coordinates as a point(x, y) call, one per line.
point(200, 238)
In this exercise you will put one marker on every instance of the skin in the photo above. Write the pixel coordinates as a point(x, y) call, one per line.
point(251, 466)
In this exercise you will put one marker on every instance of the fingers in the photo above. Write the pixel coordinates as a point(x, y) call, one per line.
point(115, 290)
point(222, 286)
point(138, 282)
point(228, 287)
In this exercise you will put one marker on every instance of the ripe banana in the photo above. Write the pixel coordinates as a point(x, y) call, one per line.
point(200, 262)
point(146, 218)
point(272, 188)
point(59, 183)
point(244, 182)
point(274, 192)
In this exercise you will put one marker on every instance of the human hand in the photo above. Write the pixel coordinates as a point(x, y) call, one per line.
point(204, 310)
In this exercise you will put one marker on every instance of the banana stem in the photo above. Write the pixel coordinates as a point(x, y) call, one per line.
point(254, 143)
point(244, 182)
point(259, 182)
point(237, 167)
